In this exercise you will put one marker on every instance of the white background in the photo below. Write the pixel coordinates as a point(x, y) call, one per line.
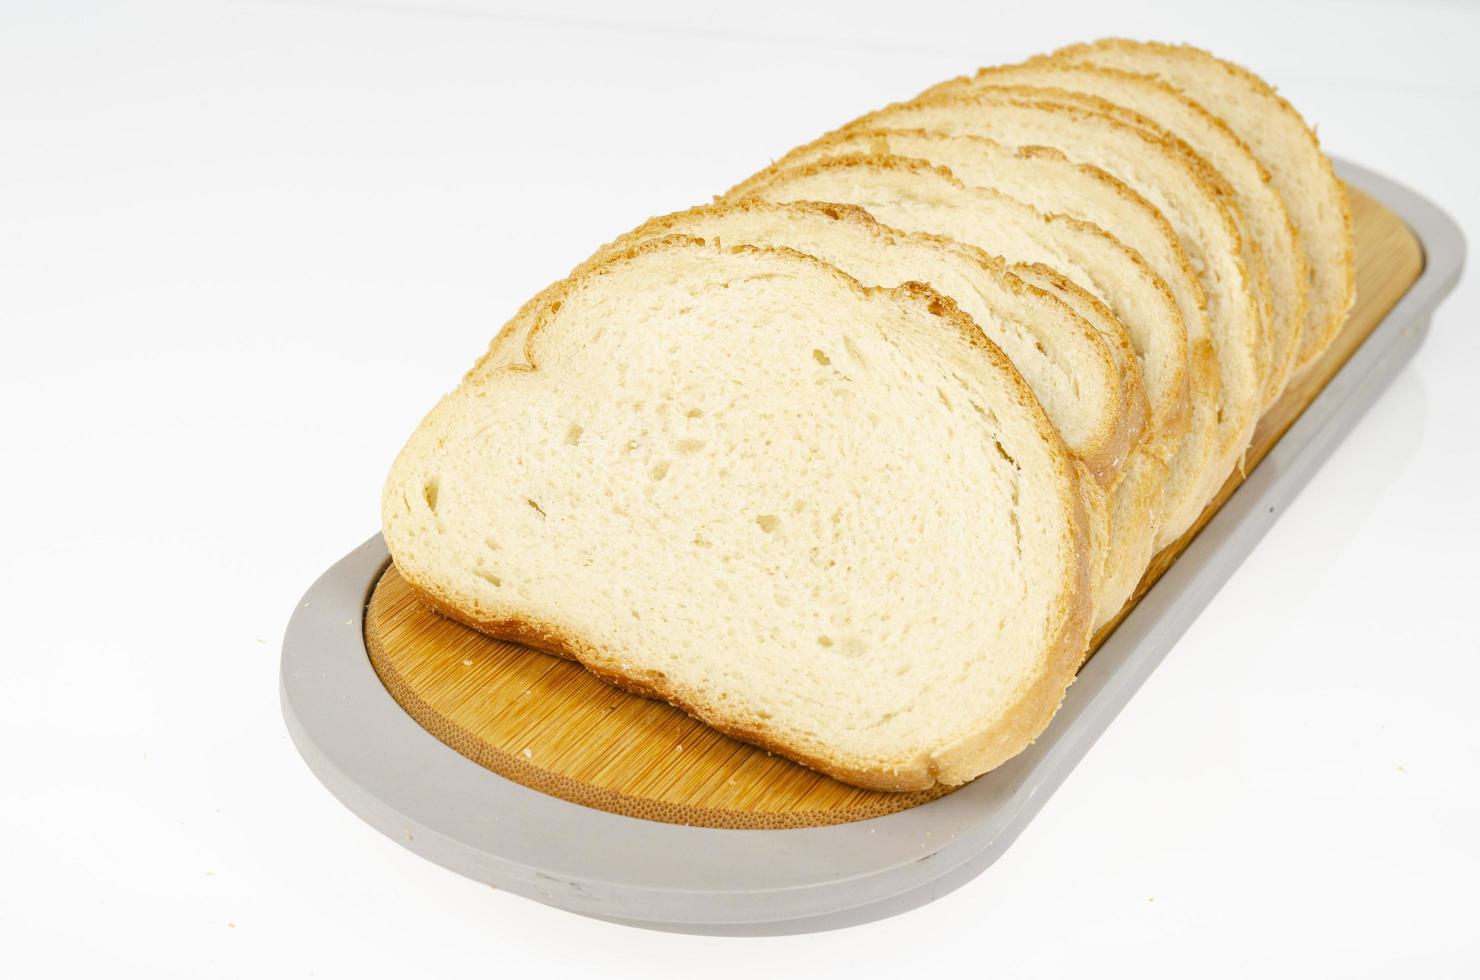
point(245, 245)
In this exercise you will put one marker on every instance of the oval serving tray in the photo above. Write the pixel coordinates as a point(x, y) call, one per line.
point(849, 867)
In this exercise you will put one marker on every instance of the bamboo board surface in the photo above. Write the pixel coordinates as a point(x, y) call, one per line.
point(550, 725)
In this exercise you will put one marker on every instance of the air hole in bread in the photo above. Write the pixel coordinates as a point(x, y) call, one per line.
point(429, 493)
point(854, 352)
point(821, 358)
point(944, 400)
point(489, 577)
point(573, 434)
point(491, 544)
point(824, 641)
point(694, 413)
point(768, 522)
point(537, 508)
point(1004, 454)
point(690, 445)
point(659, 469)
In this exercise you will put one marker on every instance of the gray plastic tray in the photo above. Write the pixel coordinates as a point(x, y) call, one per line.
point(423, 795)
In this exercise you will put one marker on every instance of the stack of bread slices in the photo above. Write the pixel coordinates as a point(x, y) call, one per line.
point(852, 462)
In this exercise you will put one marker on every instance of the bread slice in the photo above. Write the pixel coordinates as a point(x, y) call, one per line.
point(1264, 218)
point(1097, 404)
point(1064, 360)
point(1043, 177)
point(828, 519)
point(1287, 148)
point(1167, 177)
point(915, 196)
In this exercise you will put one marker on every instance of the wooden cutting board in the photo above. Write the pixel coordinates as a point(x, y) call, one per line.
point(547, 723)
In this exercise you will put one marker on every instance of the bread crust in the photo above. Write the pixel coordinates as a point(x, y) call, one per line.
point(1214, 187)
point(1285, 322)
point(1237, 418)
point(1317, 336)
point(1030, 708)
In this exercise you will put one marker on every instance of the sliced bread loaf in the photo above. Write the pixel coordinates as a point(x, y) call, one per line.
point(1170, 179)
point(1287, 148)
point(1264, 219)
point(825, 518)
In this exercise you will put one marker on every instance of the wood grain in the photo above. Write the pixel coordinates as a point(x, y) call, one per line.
point(547, 723)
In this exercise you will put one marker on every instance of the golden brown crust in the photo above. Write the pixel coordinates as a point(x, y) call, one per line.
point(1215, 186)
point(1287, 342)
point(1314, 344)
point(1209, 180)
